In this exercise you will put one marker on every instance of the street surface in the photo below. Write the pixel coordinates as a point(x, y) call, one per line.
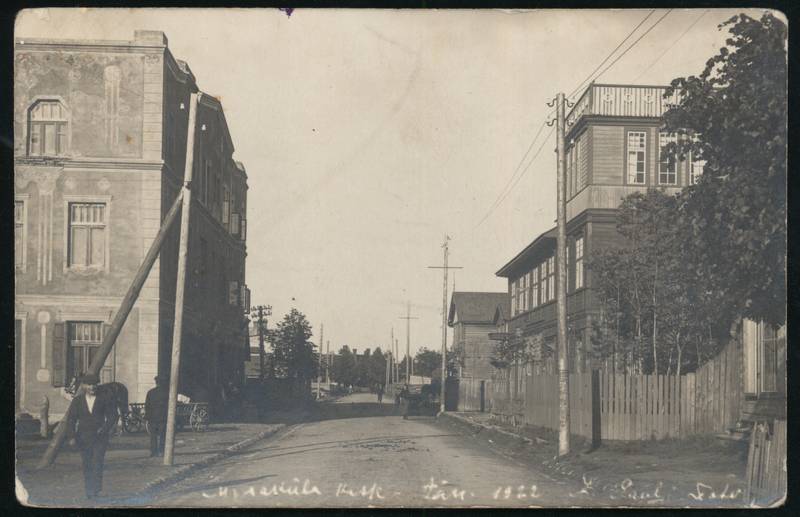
point(368, 461)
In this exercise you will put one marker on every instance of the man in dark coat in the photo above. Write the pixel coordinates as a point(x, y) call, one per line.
point(155, 411)
point(92, 417)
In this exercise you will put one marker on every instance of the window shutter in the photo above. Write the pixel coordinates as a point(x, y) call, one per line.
point(59, 355)
point(234, 223)
point(243, 233)
point(233, 293)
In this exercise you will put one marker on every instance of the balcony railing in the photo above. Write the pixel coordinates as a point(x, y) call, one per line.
point(612, 100)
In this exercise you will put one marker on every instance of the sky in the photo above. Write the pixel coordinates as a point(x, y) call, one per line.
point(370, 135)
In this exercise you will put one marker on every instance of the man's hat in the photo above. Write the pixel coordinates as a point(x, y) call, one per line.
point(89, 379)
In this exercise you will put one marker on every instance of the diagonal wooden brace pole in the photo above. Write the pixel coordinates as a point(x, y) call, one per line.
point(116, 326)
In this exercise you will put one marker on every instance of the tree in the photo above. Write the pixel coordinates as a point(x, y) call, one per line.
point(293, 353)
point(428, 363)
point(344, 367)
point(733, 117)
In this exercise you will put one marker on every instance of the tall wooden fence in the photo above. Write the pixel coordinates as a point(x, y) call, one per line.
point(766, 464)
point(623, 406)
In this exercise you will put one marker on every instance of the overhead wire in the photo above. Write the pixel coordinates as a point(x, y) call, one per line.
point(684, 33)
point(515, 178)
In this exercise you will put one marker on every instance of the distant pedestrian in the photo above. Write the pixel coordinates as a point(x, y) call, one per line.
point(92, 416)
point(404, 395)
point(380, 393)
point(155, 411)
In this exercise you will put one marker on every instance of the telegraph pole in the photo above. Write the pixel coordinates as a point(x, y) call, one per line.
point(409, 361)
point(262, 311)
point(561, 281)
point(329, 364)
point(319, 362)
point(445, 267)
point(180, 287)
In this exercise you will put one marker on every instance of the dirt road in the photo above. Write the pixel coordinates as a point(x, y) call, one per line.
point(348, 459)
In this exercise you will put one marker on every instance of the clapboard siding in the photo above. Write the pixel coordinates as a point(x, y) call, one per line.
point(608, 148)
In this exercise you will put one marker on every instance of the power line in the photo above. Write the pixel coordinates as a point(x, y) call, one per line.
point(577, 89)
point(671, 46)
point(503, 192)
point(606, 69)
point(514, 179)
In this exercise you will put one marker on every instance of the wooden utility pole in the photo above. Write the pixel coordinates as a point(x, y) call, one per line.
point(409, 360)
point(180, 287)
point(446, 268)
point(329, 364)
point(116, 325)
point(319, 362)
point(561, 282)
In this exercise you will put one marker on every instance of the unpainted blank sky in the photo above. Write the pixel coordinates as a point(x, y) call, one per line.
point(368, 135)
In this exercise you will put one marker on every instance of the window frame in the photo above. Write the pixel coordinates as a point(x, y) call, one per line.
point(578, 259)
point(66, 122)
point(535, 286)
point(24, 199)
point(692, 177)
point(71, 325)
point(665, 139)
point(77, 199)
point(628, 133)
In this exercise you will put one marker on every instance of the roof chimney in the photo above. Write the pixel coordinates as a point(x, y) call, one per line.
point(153, 38)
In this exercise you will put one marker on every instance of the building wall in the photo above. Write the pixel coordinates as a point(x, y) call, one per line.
point(474, 338)
point(123, 117)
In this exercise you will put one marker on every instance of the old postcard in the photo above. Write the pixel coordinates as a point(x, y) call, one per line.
point(371, 258)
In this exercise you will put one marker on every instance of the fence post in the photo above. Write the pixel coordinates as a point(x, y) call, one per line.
point(595, 410)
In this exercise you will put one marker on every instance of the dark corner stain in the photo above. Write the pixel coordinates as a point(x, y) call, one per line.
point(287, 10)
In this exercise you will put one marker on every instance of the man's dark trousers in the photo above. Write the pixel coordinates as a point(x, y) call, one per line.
point(158, 434)
point(92, 459)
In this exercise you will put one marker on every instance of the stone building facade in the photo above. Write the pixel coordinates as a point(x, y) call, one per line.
point(100, 130)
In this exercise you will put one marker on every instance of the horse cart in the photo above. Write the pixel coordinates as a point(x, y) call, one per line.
point(192, 414)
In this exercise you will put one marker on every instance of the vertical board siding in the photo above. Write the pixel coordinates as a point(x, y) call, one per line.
point(631, 407)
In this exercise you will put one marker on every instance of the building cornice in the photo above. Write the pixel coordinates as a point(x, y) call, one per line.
point(121, 46)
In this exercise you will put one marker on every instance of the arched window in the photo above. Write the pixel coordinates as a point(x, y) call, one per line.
point(47, 128)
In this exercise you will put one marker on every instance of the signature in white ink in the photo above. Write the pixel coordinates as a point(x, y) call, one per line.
point(373, 492)
point(442, 491)
point(705, 492)
point(627, 491)
point(518, 492)
point(294, 488)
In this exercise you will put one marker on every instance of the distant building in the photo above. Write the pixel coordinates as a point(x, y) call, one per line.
point(100, 131)
point(472, 317)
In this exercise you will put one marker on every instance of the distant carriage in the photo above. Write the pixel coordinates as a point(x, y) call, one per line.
point(192, 414)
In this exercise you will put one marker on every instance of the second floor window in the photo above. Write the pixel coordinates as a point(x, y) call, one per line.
point(47, 129)
point(535, 287)
point(637, 157)
point(667, 166)
point(87, 235)
point(549, 280)
point(19, 233)
point(695, 169)
point(578, 263)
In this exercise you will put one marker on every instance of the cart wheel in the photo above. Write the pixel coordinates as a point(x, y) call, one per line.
point(199, 420)
point(132, 423)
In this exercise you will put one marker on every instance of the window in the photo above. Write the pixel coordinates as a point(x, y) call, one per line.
point(551, 278)
point(578, 263)
point(47, 128)
point(85, 338)
point(570, 172)
point(667, 165)
point(514, 298)
point(637, 156)
point(577, 185)
point(19, 234)
point(87, 235)
point(535, 287)
point(523, 292)
point(695, 169)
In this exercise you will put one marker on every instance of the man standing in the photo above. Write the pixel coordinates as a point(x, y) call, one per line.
point(93, 415)
point(380, 393)
point(155, 411)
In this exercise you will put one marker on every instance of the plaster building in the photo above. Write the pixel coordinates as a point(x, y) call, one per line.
point(100, 131)
point(471, 316)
